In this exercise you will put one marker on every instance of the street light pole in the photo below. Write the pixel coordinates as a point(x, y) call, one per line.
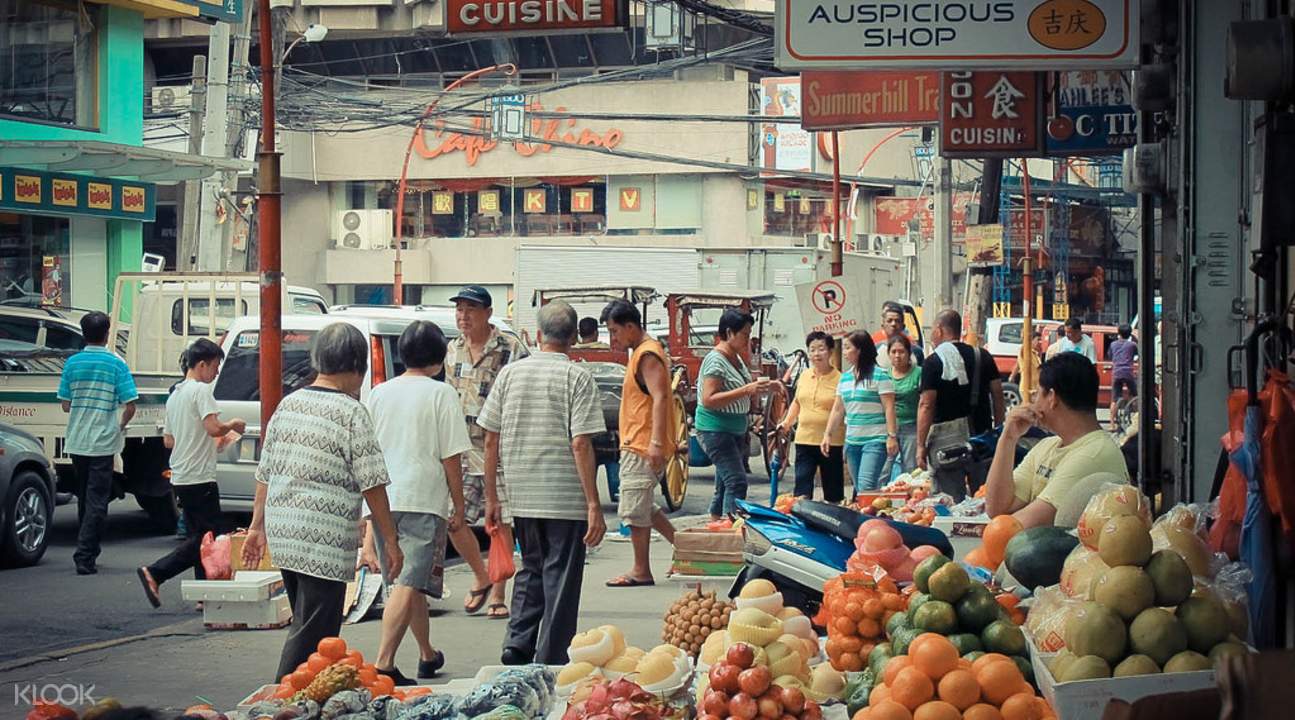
point(269, 206)
point(398, 284)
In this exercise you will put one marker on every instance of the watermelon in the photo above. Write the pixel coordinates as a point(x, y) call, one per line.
point(1035, 556)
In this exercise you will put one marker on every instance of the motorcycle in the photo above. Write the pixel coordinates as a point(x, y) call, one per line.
point(800, 552)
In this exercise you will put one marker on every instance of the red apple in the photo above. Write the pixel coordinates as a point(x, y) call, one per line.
point(715, 702)
point(793, 700)
point(724, 677)
point(770, 709)
point(790, 717)
point(774, 693)
point(741, 655)
point(754, 681)
point(707, 716)
point(812, 711)
point(743, 707)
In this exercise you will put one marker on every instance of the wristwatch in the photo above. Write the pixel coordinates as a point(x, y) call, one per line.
point(892, 435)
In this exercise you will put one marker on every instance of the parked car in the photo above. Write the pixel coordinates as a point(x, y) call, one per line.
point(40, 328)
point(27, 488)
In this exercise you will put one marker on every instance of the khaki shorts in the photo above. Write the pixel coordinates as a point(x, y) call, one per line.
point(421, 537)
point(474, 499)
point(638, 490)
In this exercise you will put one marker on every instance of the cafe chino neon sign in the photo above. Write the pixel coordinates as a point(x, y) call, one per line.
point(547, 131)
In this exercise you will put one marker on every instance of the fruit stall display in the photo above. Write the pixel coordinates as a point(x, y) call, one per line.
point(856, 607)
point(693, 617)
point(878, 546)
point(740, 688)
point(780, 638)
point(1128, 604)
point(933, 682)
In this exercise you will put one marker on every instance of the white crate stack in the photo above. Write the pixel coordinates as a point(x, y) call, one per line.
point(253, 600)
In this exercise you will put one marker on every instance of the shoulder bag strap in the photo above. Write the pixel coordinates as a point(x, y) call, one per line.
point(975, 379)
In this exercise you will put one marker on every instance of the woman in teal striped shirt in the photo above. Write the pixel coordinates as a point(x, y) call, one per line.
point(723, 407)
point(865, 399)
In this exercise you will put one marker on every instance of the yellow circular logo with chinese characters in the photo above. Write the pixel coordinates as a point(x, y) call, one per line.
point(1067, 24)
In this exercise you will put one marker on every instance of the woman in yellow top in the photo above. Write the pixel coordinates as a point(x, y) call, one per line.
point(815, 394)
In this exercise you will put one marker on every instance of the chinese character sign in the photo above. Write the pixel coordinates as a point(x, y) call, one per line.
point(987, 114)
point(488, 202)
point(442, 203)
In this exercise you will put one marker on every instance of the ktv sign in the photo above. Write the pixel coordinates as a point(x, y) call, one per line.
point(961, 34)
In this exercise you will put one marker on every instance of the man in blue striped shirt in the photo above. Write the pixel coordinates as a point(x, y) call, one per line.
point(95, 384)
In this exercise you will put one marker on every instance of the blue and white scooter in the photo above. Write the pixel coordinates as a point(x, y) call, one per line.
point(800, 552)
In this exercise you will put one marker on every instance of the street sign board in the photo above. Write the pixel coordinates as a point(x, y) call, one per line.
point(841, 100)
point(991, 114)
point(540, 17)
point(984, 245)
point(1093, 114)
point(908, 34)
point(828, 306)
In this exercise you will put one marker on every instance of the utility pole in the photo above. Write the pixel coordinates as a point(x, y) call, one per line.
point(239, 69)
point(942, 268)
point(187, 248)
point(980, 279)
point(268, 207)
point(210, 236)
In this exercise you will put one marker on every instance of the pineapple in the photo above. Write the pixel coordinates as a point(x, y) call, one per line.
point(331, 680)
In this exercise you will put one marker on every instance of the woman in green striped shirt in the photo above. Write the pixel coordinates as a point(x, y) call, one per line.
point(722, 409)
point(865, 400)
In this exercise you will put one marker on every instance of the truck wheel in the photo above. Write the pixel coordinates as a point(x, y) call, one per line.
point(161, 511)
point(1011, 395)
point(28, 513)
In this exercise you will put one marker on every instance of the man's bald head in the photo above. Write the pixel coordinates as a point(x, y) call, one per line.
point(950, 324)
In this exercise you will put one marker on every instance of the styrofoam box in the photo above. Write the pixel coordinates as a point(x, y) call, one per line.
point(269, 613)
point(247, 586)
point(964, 532)
point(1086, 699)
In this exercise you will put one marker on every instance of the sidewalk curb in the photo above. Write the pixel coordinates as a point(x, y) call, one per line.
point(166, 631)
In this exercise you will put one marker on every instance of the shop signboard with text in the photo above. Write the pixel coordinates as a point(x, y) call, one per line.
point(518, 17)
point(908, 34)
point(1092, 113)
point(860, 99)
point(784, 147)
point(45, 193)
point(991, 114)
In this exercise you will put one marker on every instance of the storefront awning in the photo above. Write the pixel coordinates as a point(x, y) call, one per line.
point(113, 160)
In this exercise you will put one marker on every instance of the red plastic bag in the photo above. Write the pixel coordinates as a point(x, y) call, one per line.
point(500, 563)
point(215, 557)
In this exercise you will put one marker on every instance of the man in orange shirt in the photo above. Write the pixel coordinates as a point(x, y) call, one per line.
point(646, 416)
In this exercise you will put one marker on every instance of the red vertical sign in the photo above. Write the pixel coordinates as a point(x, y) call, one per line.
point(989, 114)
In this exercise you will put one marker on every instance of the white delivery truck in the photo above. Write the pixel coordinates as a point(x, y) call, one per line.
point(773, 269)
point(155, 316)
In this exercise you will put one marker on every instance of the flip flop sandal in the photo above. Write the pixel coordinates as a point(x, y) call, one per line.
point(149, 592)
point(476, 600)
point(493, 615)
point(625, 581)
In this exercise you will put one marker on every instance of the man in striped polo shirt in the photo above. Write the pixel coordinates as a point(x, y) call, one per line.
point(94, 387)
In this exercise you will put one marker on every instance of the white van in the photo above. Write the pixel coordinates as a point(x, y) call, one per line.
point(238, 387)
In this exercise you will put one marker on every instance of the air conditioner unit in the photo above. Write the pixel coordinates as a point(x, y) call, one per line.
point(822, 241)
point(363, 229)
point(875, 243)
point(171, 98)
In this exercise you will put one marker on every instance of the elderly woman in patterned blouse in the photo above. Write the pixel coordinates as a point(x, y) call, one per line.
point(319, 460)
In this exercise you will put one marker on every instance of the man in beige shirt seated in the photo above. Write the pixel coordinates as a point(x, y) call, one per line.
point(1060, 467)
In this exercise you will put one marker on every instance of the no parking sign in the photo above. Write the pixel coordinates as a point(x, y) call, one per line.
point(830, 306)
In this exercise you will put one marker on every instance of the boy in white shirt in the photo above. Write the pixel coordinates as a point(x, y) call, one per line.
point(422, 432)
point(193, 428)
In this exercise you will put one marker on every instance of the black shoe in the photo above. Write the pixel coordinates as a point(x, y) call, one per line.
point(427, 669)
point(86, 569)
point(397, 677)
point(513, 656)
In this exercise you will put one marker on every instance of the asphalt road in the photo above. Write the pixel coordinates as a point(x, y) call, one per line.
point(49, 608)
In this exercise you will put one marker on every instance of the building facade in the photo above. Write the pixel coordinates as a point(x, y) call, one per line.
point(76, 185)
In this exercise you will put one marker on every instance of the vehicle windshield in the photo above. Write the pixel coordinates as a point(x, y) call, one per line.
point(240, 379)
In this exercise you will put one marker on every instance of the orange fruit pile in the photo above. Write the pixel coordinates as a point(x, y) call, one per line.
point(331, 651)
point(932, 682)
point(857, 607)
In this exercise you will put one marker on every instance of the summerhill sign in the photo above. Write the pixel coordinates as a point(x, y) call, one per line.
point(544, 131)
